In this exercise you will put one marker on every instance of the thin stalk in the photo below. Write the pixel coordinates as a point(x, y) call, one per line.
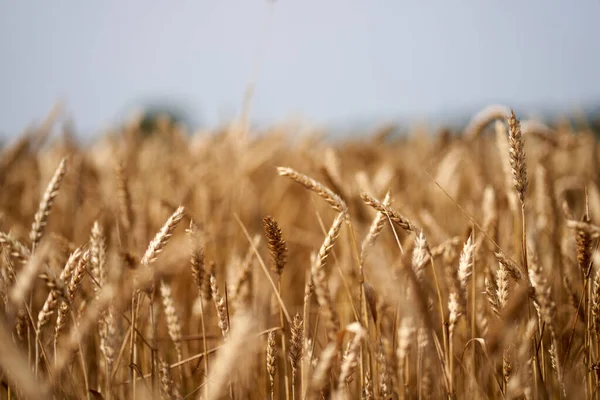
point(473, 310)
point(441, 305)
point(362, 304)
point(536, 364)
point(29, 342)
point(37, 351)
point(37, 339)
point(83, 369)
point(543, 356)
point(283, 344)
point(419, 372)
point(117, 362)
point(231, 391)
point(597, 347)
point(306, 326)
point(404, 378)
point(587, 333)
point(524, 238)
point(153, 349)
point(517, 233)
point(135, 303)
point(107, 394)
point(451, 361)
point(43, 353)
point(204, 346)
point(56, 348)
point(312, 350)
point(200, 355)
point(581, 302)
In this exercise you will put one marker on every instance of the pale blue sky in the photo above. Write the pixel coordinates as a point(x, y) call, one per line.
point(330, 61)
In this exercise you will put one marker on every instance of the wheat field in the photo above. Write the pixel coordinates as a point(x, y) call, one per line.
point(227, 265)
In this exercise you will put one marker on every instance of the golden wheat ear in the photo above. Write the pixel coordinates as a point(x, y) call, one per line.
point(327, 194)
point(41, 216)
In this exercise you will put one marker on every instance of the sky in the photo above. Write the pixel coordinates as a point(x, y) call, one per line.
point(327, 61)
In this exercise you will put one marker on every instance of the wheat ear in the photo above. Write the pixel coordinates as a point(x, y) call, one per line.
point(41, 216)
point(392, 214)
point(327, 194)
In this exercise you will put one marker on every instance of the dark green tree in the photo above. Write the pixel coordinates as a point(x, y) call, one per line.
point(164, 112)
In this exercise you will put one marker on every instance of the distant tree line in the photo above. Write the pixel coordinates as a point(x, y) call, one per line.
point(157, 113)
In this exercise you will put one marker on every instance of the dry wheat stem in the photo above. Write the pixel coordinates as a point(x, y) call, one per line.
point(199, 273)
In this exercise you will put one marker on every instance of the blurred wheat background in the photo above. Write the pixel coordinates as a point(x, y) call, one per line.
point(244, 258)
